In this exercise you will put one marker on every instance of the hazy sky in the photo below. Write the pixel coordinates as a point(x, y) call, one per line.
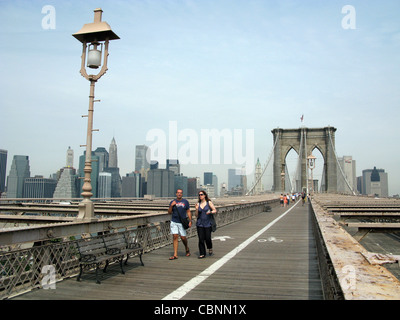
point(195, 65)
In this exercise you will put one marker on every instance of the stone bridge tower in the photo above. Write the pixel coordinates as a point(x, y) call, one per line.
point(304, 141)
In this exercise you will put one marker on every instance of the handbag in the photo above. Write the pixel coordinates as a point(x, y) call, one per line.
point(185, 222)
point(213, 223)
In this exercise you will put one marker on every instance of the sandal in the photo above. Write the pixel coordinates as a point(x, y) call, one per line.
point(187, 253)
point(202, 257)
point(173, 258)
point(210, 252)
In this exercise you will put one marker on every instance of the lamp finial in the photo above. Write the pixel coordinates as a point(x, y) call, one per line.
point(97, 15)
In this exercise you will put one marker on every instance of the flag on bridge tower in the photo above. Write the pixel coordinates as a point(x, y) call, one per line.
point(302, 117)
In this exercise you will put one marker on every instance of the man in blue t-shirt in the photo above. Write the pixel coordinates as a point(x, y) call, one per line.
point(179, 207)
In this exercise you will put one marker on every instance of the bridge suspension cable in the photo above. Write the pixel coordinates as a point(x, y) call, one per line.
point(265, 167)
point(340, 167)
point(289, 183)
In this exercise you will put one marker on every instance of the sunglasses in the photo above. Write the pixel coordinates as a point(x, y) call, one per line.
point(201, 194)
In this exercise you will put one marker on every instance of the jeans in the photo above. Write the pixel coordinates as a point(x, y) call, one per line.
point(204, 238)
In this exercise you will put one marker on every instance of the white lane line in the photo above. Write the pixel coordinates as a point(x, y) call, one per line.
point(194, 282)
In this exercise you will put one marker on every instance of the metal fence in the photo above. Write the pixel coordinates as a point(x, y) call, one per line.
point(42, 266)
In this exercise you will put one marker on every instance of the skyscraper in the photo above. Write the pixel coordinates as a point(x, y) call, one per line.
point(115, 181)
point(192, 187)
point(215, 184)
point(234, 179)
point(348, 167)
point(160, 183)
point(237, 181)
point(103, 155)
point(153, 164)
point(208, 178)
point(174, 166)
point(132, 185)
point(113, 157)
point(181, 182)
point(66, 185)
point(257, 178)
point(39, 187)
point(18, 172)
point(375, 182)
point(141, 160)
point(104, 185)
point(3, 168)
point(70, 158)
point(113, 169)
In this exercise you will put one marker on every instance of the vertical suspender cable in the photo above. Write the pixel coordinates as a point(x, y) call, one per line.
point(265, 167)
point(340, 167)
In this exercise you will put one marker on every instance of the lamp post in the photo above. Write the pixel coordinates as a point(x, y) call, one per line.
point(311, 166)
point(94, 37)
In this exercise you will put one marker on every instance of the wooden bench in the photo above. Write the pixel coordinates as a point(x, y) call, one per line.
point(105, 249)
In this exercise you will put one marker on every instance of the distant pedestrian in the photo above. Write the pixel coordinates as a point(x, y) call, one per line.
point(281, 200)
point(204, 211)
point(285, 200)
point(179, 208)
point(303, 198)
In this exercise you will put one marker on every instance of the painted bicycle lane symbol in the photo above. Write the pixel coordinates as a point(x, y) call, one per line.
point(270, 239)
point(221, 238)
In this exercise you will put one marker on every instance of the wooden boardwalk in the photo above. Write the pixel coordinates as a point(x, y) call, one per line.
point(279, 263)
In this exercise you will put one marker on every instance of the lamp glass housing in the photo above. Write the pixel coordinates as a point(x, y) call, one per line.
point(94, 56)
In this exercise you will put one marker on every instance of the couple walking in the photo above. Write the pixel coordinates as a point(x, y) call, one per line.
point(179, 208)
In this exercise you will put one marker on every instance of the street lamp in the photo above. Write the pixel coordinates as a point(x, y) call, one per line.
point(311, 166)
point(94, 38)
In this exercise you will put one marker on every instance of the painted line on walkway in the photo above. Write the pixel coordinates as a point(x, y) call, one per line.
point(194, 282)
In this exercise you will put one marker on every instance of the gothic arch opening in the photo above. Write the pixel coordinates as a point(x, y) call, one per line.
point(318, 171)
point(291, 162)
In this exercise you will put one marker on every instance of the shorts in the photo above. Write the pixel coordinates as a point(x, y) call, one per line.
point(177, 228)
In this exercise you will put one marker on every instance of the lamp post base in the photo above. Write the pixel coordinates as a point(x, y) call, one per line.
point(86, 211)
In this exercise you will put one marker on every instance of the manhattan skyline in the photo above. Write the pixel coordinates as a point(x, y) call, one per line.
point(230, 65)
point(264, 185)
